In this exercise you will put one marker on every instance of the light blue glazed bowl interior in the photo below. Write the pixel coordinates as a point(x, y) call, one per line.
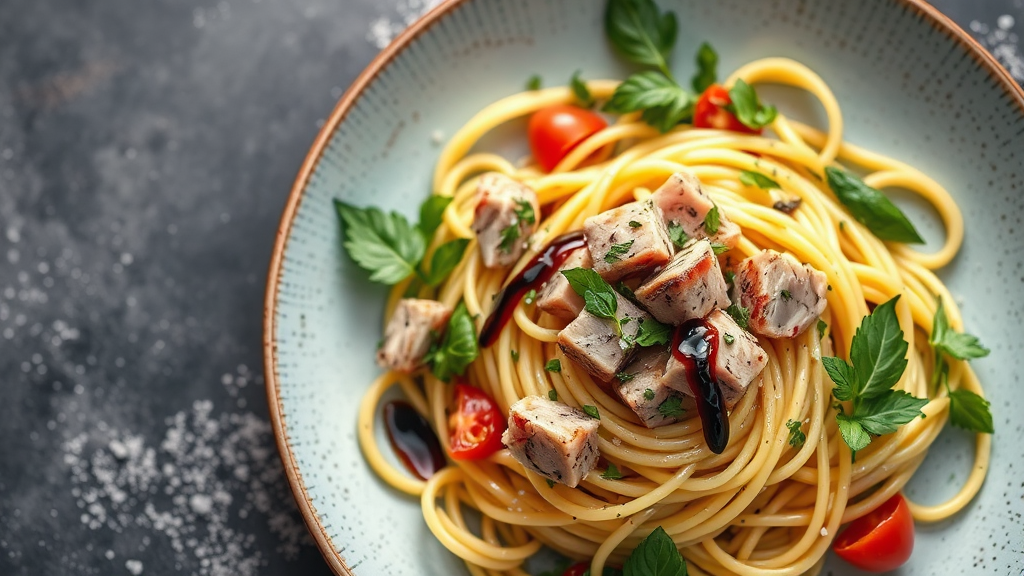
point(907, 89)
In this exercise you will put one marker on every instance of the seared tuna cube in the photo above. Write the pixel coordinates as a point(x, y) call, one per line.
point(594, 344)
point(557, 297)
point(407, 336)
point(784, 296)
point(506, 215)
point(552, 439)
point(685, 203)
point(738, 362)
point(690, 286)
point(643, 387)
point(627, 240)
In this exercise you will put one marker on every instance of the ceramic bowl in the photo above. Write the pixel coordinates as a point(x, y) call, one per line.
point(911, 84)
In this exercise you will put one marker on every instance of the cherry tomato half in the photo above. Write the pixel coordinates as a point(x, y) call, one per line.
point(880, 541)
point(577, 569)
point(710, 112)
point(554, 131)
point(475, 425)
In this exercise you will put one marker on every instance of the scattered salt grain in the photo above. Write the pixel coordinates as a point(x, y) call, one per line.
point(824, 531)
point(134, 566)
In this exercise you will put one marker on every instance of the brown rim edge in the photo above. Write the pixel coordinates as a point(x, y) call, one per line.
point(316, 528)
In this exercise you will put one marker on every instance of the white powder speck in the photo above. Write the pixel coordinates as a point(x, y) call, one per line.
point(134, 566)
point(437, 137)
point(201, 504)
point(383, 30)
point(127, 259)
point(1001, 41)
point(824, 531)
point(109, 554)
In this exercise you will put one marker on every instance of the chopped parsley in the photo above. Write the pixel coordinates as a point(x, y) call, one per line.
point(740, 314)
point(553, 395)
point(591, 411)
point(612, 473)
point(617, 251)
point(634, 224)
point(648, 394)
point(712, 220)
point(624, 377)
point(729, 338)
point(672, 407)
point(796, 436)
point(677, 234)
point(515, 355)
point(786, 295)
point(553, 365)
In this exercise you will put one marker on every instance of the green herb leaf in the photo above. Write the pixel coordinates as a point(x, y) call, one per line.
point(553, 365)
point(640, 32)
point(879, 352)
point(598, 296)
point(711, 220)
point(524, 213)
point(677, 234)
point(385, 245)
point(871, 208)
point(530, 297)
point(796, 436)
point(591, 411)
point(843, 375)
point(958, 345)
point(718, 248)
point(617, 251)
point(758, 180)
point(707, 64)
point(730, 277)
point(551, 483)
point(786, 295)
point(729, 338)
point(612, 473)
point(457, 349)
point(971, 412)
point(432, 214)
point(653, 332)
point(656, 555)
point(822, 326)
point(580, 90)
point(634, 224)
point(624, 377)
point(672, 407)
point(515, 355)
point(509, 235)
point(533, 82)
point(664, 103)
point(648, 394)
point(748, 108)
point(853, 434)
point(445, 259)
point(740, 314)
point(553, 395)
point(884, 414)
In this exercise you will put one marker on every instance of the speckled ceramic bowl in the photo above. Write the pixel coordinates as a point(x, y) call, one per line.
point(911, 84)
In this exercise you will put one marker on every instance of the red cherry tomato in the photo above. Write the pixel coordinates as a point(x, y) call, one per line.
point(475, 425)
point(880, 541)
point(577, 569)
point(554, 131)
point(710, 112)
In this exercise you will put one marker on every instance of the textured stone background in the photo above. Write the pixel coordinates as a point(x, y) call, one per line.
point(146, 150)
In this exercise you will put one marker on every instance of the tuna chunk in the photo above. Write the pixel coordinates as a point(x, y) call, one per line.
point(506, 215)
point(627, 240)
point(407, 336)
point(738, 362)
point(644, 388)
point(552, 439)
point(690, 286)
point(557, 297)
point(784, 296)
point(594, 344)
point(685, 203)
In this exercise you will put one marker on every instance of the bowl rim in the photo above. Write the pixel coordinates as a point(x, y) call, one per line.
point(316, 527)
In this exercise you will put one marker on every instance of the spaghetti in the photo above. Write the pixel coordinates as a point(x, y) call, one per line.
point(763, 506)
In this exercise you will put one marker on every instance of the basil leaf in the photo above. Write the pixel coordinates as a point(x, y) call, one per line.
point(598, 295)
point(653, 332)
point(884, 414)
point(748, 108)
point(580, 90)
point(432, 214)
point(796, 436)
point(853, 433)
point(612, 473)
point(677, 234)
point(640, 32)
point(457, 349)
point(445, 259)
point(656, 555)
point(672, 407)
point(751, 178)
point(971, 412)
point(385, 245)
point(601, 304)
point(879, 352)
point(871, 208)
point(712, 220)
point(958, 345)
point(707, 63)
point(844, 377)
point(664, 103)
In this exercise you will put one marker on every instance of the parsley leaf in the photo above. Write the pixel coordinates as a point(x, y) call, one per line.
point(524, 213)
point(672, 407)
point(796, 436)
point(533, 82)
point(648, 394)
point(598, 296)
point(640, 32)
point(879, 352)
point(445, 259)
point(664, 103)
point(958, 345)
point(612, 473)
point(707, 63)
point(580, 90)
point(740, 314)
point(432, 214)
point(711, 220)
point(515, 355)
point(843, 375)
point(884, 414)
point(656, 555)
point(591, 411)
point(872, 208)
point(718, 248)
point(551, 483)
point(758, 180)
point(969, 411)
point(748, 108)
point(634, 224)
point(553, 365)
point(385, 245)
point(553, 395)
point(786, 295)
point(677, 234)
point(853, 433)
point(729, 338)
point(822, 326)
point(617, 251)
point(458, 347)
point(653, 332)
